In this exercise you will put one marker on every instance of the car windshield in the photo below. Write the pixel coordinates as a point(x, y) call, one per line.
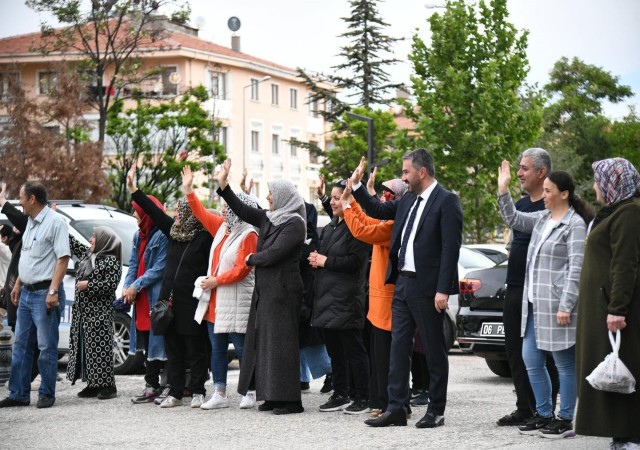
point(125, 229)
point(474, 259)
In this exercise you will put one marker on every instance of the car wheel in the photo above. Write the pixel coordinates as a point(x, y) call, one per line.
point(449, 332)
point(499, 366)
point(124, 364)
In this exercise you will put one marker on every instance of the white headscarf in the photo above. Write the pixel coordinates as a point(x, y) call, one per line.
point(288, 203)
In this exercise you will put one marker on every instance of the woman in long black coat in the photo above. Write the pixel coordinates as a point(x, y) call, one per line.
point(91, 337)
point(187, 342)
point(271, 345)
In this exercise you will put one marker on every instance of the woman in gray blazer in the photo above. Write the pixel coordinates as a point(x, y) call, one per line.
point(554, 260)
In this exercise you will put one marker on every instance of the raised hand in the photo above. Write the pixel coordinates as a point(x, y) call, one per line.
point(358, 173)
point(346, 198)
point(3, 194)
point(131, 179)
point(187, 180)
point(246, 189)
point(371, 182)
point(504, 177)
point(223, 174)
point(320, 188)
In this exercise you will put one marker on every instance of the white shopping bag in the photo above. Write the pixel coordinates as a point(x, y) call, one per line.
point(612, 375)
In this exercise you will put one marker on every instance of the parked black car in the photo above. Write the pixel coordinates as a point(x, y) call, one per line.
point(479, 321)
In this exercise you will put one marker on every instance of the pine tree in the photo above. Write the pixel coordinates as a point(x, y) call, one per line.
point(362, 75)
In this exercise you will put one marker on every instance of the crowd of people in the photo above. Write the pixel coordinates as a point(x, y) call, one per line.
point(295, 305)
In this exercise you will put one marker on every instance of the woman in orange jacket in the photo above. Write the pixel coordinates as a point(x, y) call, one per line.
point(378, 233)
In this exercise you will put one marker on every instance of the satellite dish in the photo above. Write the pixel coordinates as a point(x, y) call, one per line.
point(233, 23)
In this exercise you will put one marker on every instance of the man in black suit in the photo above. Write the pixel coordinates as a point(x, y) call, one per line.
point(423, 264)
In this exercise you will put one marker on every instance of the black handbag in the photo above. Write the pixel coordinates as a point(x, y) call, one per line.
point(162, 312)
point(162, 316)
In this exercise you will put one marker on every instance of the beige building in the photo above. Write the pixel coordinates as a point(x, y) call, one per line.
point(262, 105)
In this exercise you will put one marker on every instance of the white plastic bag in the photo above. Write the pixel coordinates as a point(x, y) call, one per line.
point(612, 375)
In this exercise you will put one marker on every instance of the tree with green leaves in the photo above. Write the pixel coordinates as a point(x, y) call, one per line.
point(362, 75)
point(624, 138)
point(574, 123)
point(473, 108)
point(162, 138)
point(107, 36)
point(349, 136)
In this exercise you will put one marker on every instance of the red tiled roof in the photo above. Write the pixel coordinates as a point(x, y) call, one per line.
point(30, 43)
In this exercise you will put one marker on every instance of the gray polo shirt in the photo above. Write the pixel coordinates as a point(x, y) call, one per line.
point(45, 240)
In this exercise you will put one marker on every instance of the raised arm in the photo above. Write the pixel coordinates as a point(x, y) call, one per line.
point(17, 218)
point(158, 216)
point(363, 228)
point(210, 221)
point(78, 249)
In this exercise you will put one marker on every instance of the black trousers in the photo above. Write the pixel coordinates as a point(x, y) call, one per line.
point(512, 320)
point(348, 359)
point(186, 351)
point(412, 310)
point(419, 372)
point(380, 349)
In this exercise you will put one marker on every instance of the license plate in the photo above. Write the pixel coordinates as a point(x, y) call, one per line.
point(492, 329)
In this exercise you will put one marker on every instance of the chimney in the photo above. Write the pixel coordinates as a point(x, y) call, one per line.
point(235, 43)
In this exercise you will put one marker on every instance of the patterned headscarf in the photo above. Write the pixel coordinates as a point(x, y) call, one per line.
point(396, 186)
point(230, 217)
point(188, 226)
point(107, 243)
point(288, 204)
point(617, 179)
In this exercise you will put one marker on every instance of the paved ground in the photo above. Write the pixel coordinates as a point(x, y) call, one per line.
point(476, 399)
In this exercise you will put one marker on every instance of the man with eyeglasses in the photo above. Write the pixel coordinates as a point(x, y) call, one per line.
point(39, 296)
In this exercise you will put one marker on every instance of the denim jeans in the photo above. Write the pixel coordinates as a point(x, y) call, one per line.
point(535, 361)
point(220, 352)
point(35, 325)
point(314, 362)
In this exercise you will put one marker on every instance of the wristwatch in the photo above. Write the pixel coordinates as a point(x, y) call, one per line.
point(53, 292)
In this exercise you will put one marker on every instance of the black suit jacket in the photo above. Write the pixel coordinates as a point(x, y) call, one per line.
point(436, 246)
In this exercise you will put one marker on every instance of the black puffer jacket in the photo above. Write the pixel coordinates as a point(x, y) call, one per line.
point(340, 284)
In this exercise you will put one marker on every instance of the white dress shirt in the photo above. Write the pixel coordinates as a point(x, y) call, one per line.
point(409, 263)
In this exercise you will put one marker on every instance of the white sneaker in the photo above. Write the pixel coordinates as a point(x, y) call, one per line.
point(197, 400)
point(216, 401)
point(35, 384)
point(248, 401)
point(170, 402)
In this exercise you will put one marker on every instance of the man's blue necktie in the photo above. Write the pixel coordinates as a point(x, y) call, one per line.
point(407, 233)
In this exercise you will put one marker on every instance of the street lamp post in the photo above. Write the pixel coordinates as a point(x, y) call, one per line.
point(370, 142)
point(244, 118)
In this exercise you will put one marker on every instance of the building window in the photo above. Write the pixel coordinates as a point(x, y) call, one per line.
point(275, 94)
point(313, 158)
point(8, 80)
point(294, 149)
point(293, 98)
point(314, 107)
point(218, 85)
point(170, 80)
point(255, 89)
point(275, 144)
point(222, 136)
point(255, 141)
point(47, 82)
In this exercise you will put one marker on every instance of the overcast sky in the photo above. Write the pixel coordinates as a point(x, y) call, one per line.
point(304, 33)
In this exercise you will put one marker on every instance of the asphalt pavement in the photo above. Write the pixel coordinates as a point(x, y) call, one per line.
point(476, 399)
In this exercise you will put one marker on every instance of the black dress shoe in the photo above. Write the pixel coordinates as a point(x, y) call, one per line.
point(268, 406)
point(107, 393)
point(288, 408)
point(387, 419)
point(9, 402)
point(430, 420)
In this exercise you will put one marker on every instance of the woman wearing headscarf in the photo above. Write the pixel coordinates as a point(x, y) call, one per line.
point(271, 345)
point(550, 298)
point(339, 308)
point(186, 342)
point(609, 299)
point(378, 233)
point(228, 288)
point(142, 289)
point(91, 335)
